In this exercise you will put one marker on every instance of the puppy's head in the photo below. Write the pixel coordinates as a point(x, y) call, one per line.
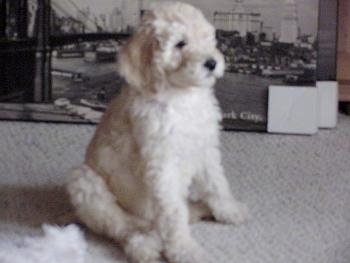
point(175, 47)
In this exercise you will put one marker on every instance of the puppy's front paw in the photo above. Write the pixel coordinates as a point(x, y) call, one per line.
point(233, 212)
point(181, 251)
point(143, 247)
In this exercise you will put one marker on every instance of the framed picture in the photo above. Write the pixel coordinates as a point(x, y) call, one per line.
point(70, 74)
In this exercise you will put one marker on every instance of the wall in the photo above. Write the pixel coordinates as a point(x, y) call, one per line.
point(344, 28)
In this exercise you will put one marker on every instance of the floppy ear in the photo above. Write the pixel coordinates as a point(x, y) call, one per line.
point(136, 59)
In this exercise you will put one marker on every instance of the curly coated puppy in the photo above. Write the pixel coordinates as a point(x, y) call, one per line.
point(157, 140)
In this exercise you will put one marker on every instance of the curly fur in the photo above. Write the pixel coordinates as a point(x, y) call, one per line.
point(156, 139)
point(56, 245)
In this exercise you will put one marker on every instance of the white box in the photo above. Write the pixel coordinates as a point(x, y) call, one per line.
point(327, 103)
point(293, 109)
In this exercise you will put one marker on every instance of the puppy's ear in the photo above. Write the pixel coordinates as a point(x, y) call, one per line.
point(136, 58)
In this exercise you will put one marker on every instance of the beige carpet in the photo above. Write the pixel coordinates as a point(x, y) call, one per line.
point(297, 188)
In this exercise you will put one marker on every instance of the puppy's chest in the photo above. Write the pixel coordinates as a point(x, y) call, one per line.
point(193, 126)
point(191, 118)
point(195, 109)
point(183, 124)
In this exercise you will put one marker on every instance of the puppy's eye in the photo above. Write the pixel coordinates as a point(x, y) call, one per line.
point(181, 44)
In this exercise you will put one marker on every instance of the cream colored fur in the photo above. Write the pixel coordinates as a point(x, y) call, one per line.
point(157, 140)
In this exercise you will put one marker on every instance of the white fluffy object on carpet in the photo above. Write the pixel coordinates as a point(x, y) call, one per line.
point(57, 245)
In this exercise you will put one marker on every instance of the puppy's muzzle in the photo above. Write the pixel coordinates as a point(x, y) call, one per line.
point(210, 64)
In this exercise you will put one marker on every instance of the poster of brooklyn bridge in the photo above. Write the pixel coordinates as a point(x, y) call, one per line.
point(72, 49)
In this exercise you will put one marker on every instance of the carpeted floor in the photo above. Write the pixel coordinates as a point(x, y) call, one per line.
point(297, 189)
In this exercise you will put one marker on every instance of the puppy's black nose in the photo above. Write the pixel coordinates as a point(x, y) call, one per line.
point(210, 64)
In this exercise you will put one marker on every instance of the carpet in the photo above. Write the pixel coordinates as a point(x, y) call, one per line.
point(297, 189)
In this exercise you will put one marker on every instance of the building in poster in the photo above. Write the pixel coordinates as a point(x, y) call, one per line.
point(239, 19)
point(289, 23)
point(32, 8)
point(116, 20)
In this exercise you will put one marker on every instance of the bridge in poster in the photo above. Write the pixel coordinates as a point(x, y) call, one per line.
point(79, 24)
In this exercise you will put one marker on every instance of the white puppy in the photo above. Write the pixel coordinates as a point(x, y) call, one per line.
point(156, 139)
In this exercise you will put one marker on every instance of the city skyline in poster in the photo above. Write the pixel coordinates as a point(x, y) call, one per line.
point(307, 10)
point(256, 53)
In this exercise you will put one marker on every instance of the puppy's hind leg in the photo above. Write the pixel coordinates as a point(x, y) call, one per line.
point(96, 206)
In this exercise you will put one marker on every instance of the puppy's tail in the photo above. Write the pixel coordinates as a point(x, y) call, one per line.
point(97, 207)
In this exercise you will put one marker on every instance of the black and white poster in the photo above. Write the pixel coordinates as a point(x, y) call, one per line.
point(74, 72)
